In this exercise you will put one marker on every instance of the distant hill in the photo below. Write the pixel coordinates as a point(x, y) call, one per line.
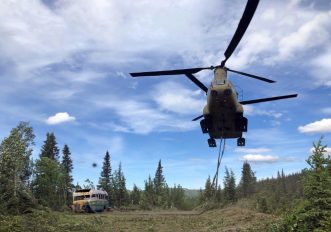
point(191, 192)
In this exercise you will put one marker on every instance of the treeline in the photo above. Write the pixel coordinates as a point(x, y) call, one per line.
point(27, 184)
point(47, 181)
point(270, 195)
point(156, 192)
point(302, 199)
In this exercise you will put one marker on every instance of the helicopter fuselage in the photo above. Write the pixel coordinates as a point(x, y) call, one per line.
point(223, 114)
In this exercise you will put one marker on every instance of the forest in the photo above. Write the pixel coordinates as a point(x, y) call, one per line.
point(39, 192)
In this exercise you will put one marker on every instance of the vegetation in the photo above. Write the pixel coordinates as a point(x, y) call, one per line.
point(105, 180)
point(313, 213)
point(15, 170)
point(32, 194)
point(68, 179)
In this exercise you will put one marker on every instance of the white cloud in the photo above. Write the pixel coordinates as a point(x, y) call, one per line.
point(142, 118)
point(60, 118)
point(322, 68)
point(252, 150)
point(250, 49)
point(322, 126)
point(173, 97)
point(257, 158)
point(252, 110)
point(310, 34)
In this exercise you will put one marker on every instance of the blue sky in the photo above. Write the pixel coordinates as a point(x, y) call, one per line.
point(64, 66)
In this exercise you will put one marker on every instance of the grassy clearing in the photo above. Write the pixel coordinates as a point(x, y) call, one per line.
point(228, 219)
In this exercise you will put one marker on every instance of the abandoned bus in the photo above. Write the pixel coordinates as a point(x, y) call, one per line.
point(90, 200)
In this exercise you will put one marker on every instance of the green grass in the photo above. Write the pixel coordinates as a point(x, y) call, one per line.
point(231, 218)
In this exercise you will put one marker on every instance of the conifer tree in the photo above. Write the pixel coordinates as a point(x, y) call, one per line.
point(49, 184)
point(50, 149)
point(314, 213)
point(120, 191)
point(248, 180)
point(67, 167)
point(159, 184)
point(218, 195)
point(317, 189)
point(208, 192)
point(135, 195)
point(105, 180)
point(149, 193)
point(229, 186)
point(159, 180)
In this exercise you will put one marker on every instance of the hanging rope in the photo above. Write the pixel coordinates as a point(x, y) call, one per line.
point(219, 160)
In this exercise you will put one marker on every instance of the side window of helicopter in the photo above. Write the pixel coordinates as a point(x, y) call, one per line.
point(220, 82)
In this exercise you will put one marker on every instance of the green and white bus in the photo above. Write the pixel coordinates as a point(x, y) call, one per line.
point(90, 200)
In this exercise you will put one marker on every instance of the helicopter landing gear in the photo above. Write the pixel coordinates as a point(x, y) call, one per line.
point(241, 142)
point(241, 124)
point(211, 142)
point(205, 124)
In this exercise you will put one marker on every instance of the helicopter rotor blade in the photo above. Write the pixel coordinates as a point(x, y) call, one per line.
point(267, 99)
point(242, 26)
point(197, 82)
point(194, 119)
point(252, 76)
point(171, 72)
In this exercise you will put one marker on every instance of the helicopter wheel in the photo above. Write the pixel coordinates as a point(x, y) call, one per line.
point(241, 124)
point(211, 142)
point(244, 123)
point(241, 142)
point(204, 126)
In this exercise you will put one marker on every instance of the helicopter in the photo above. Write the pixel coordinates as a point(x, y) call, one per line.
point(223, 115)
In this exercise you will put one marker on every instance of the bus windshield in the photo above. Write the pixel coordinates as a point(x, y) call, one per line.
point(82, 197)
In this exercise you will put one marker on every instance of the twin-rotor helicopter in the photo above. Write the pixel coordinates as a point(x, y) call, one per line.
point(223, 115)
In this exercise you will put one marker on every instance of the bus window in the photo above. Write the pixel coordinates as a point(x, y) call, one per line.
point(78, 198)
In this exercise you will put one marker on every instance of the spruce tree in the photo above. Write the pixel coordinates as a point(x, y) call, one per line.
point(149, 193)
point(49, 184)
point(159, 184)
point(229, 186)
point(317, 189)
point(135, 195)
point(105, 180)
point(50, 149)
point(314, 213)
point(247, 182)
point(159, 180)
point(208, 192)
point(67, 167)
point(120, 191)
